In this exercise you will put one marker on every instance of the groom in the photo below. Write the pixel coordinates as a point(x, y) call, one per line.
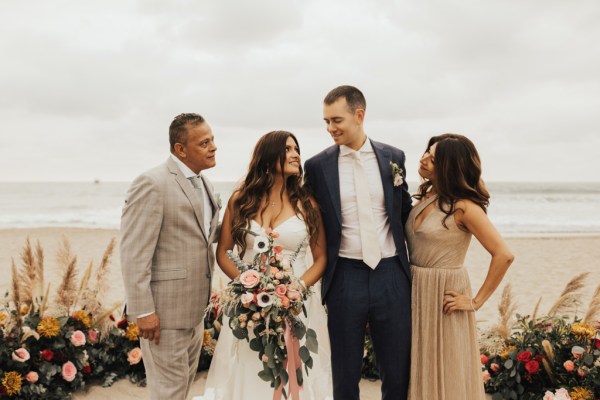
point(168, 223)
point(365, 203)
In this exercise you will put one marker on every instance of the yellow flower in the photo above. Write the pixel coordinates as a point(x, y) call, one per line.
point(84, 318)
point(2, 318)
point(504, 353)
point(48, 327)
point(133, 332)
point(580, 393)
point(12, 382)
point(24, 309)
point(207, 338)
point(583, 330)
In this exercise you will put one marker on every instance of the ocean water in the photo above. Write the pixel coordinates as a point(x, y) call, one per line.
point(517, 209)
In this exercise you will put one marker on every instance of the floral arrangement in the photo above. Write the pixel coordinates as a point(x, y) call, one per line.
point(263, 305)
point(397, 174)
point(553, 357)
point(50, 349)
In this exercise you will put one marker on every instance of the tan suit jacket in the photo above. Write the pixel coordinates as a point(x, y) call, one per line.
point(166, 256)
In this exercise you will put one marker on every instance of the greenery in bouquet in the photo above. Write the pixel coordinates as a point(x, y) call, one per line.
point(212, 329)
point(553, 357)
point(49, 349)
point(263, 305)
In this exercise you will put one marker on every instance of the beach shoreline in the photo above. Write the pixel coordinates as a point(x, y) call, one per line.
point(542, 267)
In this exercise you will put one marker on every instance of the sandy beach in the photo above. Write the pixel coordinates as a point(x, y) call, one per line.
point(541, 269)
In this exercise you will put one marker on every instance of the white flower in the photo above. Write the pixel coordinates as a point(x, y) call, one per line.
point(261, 244)
point(398, 180)
point(265, 299)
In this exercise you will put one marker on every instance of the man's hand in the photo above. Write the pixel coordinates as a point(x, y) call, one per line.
point(150, 327)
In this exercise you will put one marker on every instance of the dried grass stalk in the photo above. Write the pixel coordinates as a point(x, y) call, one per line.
point(535, 310)
point(65, 295)
point(593, 312)
point(102, 323)
point(44, 304)
point(83, 291)
point(569, 299)
point(16, 292)
point(104, 269)
point(38, 288)
point(506, 309)
point(27, 273)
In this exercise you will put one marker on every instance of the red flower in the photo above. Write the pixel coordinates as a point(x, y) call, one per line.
point(123, 324)
point(112, 318)
point(524, 356)
point(532, 367)
point(87, 369)
point(597, 343)
point(47, 354)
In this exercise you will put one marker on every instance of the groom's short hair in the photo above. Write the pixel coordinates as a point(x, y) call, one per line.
point(353, 96)
point(178, 128)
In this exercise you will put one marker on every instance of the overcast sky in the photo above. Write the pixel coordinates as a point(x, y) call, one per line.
point(89, 88)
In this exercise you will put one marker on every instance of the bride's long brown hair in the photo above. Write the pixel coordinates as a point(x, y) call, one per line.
point(457, 174)
point(269, 152)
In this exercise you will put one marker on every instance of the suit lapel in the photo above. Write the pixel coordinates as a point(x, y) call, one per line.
point(384, 157)
point(215, 206)
point(332, 178)
point(190, 193)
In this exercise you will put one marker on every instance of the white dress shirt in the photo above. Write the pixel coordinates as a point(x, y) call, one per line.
point(350, 246)
point(188, 173)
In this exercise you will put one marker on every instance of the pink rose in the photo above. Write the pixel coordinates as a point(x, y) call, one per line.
point(494, 367)
point(78, 338)
point(484, 359)
point(548, 396)
point(277, 249)
point(134, 356)
point(562, 394)
point(93, 336)
point(247, 298)
point(32, 377)
point(280, 290)
point(581, 372)
point(250, 278)
point(20, 355)
point(293, 294)
point(486, 376)
point(285, 302)
point(569, 365)
point(69, 371)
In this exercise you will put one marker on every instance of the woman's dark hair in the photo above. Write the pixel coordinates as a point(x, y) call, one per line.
point(457, 174)
point(269, 152)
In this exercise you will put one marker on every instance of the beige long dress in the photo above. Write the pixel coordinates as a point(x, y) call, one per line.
point(444, 355)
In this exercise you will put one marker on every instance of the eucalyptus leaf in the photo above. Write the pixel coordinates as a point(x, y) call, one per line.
point(304, 354)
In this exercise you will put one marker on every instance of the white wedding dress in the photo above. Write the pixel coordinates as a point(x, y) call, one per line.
point(233, 373)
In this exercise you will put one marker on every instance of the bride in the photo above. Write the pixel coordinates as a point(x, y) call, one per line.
point(272, 196)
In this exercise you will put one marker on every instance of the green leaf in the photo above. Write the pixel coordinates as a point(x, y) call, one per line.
point(520, 389)
point(588, 359)
point(497, 396)
point(265, 375)
point(304, 353)
point(284, 376)
point(312, 344)
point(508, 364)
point(240, 333)
point(311, 333)
point(299, 331)
point(299, 376)
point(256, 345)
point(309, 362)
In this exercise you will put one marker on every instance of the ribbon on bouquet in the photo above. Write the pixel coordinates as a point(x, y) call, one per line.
point(291, 364)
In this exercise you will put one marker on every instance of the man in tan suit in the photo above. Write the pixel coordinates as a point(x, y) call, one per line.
point(169, 221)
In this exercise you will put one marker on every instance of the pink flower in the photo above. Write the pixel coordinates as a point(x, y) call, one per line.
point(581, 372)
point(484, 359)
point(134, 356)
point(486, 376)
point(285, 302)
point(548, 396)
point(20, 355)
point(577, 351)
point(250, 278)
point(293, 294)
point(265, 358)
point(78, 338)
point(93, 336)
point(275, 235)
point(32, 377)
point(569, 365)
point(562, 394)
point(280, 290)
point(247, 298)
point(398, 180)
point(494, 367)
point(69, 371)
point(277, 249)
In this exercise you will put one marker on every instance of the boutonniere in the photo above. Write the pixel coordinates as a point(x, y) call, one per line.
point(397, 174)
point(218, 199)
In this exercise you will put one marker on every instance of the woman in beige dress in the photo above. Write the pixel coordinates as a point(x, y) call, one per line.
point(452, 207)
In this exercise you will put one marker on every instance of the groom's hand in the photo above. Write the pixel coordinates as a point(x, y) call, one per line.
point(150, 327)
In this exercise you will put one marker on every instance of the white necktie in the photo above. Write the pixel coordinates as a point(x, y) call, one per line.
point(368, 237)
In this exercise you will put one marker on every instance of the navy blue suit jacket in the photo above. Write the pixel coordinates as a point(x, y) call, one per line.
point(323, 181)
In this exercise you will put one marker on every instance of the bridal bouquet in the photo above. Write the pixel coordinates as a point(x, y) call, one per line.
point(263, 305)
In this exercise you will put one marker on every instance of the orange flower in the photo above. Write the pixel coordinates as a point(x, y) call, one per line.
point(12, 382)
point(48, 327)
point(84, 318)
point(133, 332)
